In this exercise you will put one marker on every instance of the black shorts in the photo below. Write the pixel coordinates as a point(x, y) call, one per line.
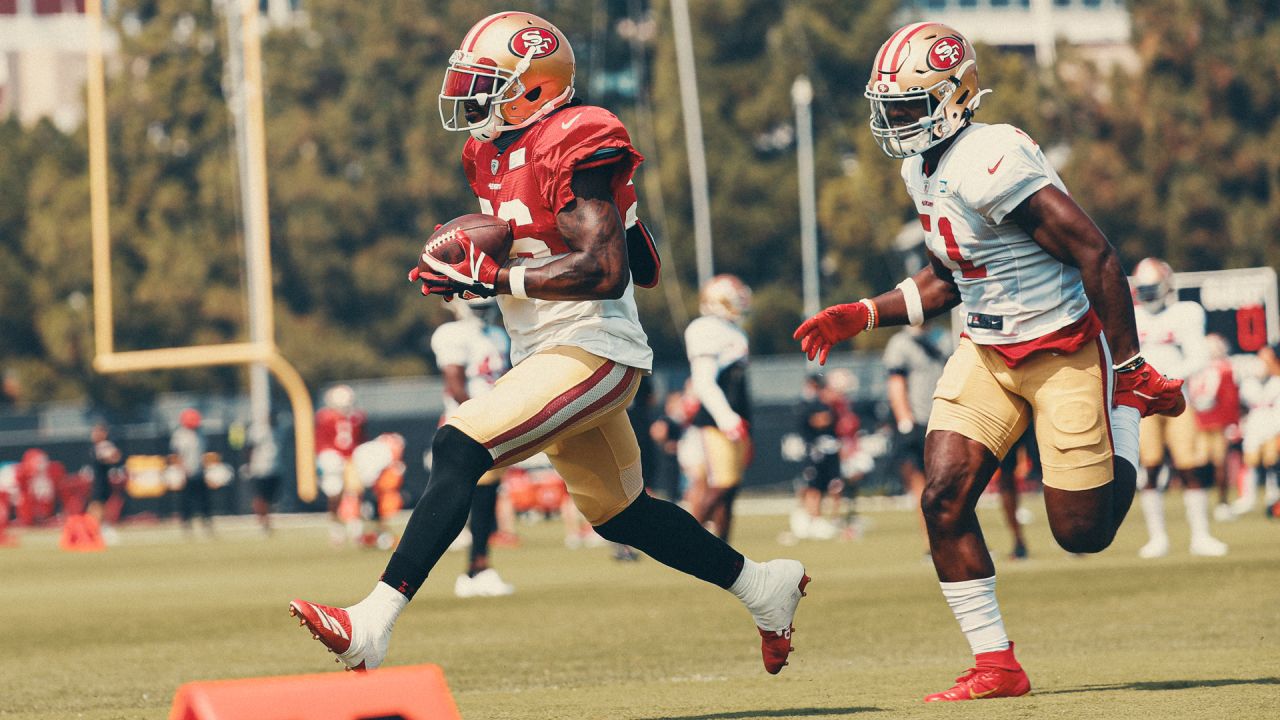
point(819, 475)
point(909, 448)
point(101, 491)
point(266, 487)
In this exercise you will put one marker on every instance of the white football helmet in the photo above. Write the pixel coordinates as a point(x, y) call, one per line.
point(340, 397)
point(512, 69)
point(923, 88)
point(1153, 284)
point(725, 296)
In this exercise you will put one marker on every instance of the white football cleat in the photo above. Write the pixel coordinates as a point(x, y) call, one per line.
point(344, 632)
point(1208, 546)
point(486, 583)
point(1156, 547)
point(774, 608)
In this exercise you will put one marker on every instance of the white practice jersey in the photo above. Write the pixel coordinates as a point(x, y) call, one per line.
point(1172, 340)
point(1011, 289)
point(1262, 422)
point(480, 349)
point(725, 343)
point(716, 337)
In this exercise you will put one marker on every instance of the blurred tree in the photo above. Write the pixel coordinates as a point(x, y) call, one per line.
point(1176, 160)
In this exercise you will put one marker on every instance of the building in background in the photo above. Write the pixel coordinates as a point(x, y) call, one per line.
point(1101, 28)
point(42, 55)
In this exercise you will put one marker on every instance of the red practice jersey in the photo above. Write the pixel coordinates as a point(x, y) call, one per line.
point(338, 431)
point(527, 184)
point(1214, 396)
point(530, 182)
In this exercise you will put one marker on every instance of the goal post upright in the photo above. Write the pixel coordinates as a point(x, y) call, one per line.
point(106, 359)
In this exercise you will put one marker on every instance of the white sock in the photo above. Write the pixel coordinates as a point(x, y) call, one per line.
point(1196, 501)
point(973, 602)
point(750, 582)
point(1124, 434)
point(381, 607)
point(1153, 512)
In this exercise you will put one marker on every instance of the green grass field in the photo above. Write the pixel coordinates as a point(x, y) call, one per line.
point(112, 635)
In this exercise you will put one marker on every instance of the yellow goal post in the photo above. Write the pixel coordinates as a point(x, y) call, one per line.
point(106, 359)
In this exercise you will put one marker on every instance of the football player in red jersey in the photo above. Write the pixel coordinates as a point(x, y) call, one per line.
point(560, 172)
point(339, 429)
point(1046, 303)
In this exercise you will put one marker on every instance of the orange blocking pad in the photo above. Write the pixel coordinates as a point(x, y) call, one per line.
point(414, 692)
point(80, 533)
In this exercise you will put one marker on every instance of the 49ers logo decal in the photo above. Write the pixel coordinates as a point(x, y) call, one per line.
point(541, 41)
point(946, 53)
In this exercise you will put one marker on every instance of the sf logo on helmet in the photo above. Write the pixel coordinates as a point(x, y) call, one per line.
point(946, 53)
point(540, 40)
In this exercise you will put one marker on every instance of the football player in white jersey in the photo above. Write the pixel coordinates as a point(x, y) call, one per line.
point(1261, 394)
point(1046, 305)
point(560, 172)
point(717, 349)
point(1171, 335)
point(471, 353)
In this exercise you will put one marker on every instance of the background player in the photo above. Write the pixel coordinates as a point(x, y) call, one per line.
point(471, 353)
point(339, 429)
point(561, 173)
point(717, 347)
point(1214, 395)
point(1261, 393)
point(914, 364)
point(1045, 300)
point(1171, 333)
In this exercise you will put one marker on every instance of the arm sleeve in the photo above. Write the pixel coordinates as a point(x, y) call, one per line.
point(704, 370)
point(1020, 170)
point(594, 137)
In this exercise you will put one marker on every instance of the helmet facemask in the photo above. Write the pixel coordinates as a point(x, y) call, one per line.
point(939, 115)
point(473, 93)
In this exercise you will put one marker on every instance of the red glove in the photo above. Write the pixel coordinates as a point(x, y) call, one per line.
point(433, 283)
point(835, 324)
point(475, 275)
point(1150, 392)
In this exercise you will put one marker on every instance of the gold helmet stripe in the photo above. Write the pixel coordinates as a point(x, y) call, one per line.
point(469, 42)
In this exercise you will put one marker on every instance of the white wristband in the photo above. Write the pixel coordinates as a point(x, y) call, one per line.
point(515, 279)
point(911, 296)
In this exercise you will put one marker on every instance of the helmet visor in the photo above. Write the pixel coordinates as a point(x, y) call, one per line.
point(472, 90)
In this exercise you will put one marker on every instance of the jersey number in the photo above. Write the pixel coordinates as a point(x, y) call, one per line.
point(967, 268)
point(516, 211)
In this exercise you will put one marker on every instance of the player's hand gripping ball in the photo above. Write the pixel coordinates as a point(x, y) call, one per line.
point(462, 257)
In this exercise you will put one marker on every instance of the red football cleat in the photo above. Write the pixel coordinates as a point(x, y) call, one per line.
point(333, 628)
point(774, 615)
point(994, 675)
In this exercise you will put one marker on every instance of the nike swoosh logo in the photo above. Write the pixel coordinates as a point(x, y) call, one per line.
point(569, 123)
point(992, 170)
point(983, 693)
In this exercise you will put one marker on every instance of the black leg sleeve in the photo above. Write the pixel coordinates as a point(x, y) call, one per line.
point(668, 534)
point(441, 511)
point(483, 521)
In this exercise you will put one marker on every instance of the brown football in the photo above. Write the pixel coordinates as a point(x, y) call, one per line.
point(490, 234)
